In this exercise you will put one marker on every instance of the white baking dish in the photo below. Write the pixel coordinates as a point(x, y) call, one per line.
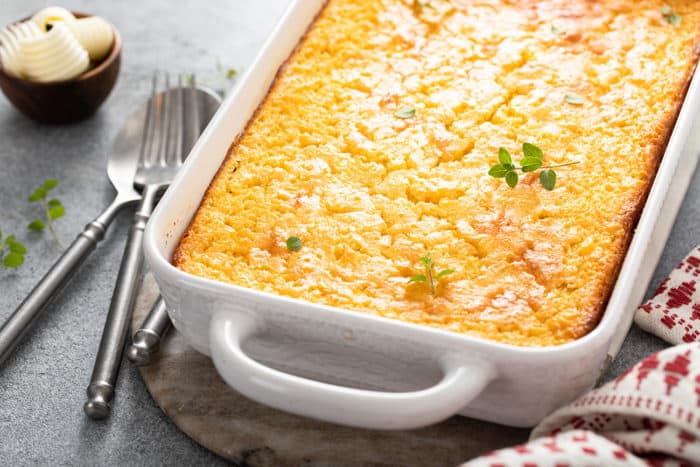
point(358, 369)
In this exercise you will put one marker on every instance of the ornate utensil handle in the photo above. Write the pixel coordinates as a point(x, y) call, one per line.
point(60, 273)
point(104, 374)
point(147, 338)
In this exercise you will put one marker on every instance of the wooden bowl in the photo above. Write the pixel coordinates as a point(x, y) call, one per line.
point(65, 101)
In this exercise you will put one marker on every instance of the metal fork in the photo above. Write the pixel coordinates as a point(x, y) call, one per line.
point(161, 156)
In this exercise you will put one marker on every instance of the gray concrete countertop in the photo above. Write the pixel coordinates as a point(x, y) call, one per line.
point(42, 385)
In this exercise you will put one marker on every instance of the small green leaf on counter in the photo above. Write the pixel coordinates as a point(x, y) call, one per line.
point(56, 212)
point(12, 260)
point(11, 251)
point(15, 246)
point(49, 184)
point(36, 225)
point(53, 209)
point(231, 73)
point(37, 195)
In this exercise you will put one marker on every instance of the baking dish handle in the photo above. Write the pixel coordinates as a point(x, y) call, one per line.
point(464, 378)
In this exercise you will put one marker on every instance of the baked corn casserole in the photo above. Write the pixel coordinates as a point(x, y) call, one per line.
point(362, 182)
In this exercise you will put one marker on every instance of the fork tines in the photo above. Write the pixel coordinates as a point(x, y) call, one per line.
point(164, 132)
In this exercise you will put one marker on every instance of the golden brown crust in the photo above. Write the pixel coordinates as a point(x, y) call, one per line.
point(634, 213)
point(325, 158)
point(177, 256)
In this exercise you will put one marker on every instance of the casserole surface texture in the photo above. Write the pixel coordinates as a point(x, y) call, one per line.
point(327, 159)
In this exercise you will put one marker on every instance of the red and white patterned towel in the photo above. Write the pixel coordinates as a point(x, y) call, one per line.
point(674, 312)
point(649, 415)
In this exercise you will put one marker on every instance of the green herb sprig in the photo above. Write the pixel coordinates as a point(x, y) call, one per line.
point(430, 277)
point(212, 79)
point(53, 209)
point(229, 73)
point(671, 16)
point(531, 161)
point(11, 251)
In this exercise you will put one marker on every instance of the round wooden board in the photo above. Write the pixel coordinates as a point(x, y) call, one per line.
point(188, 389)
